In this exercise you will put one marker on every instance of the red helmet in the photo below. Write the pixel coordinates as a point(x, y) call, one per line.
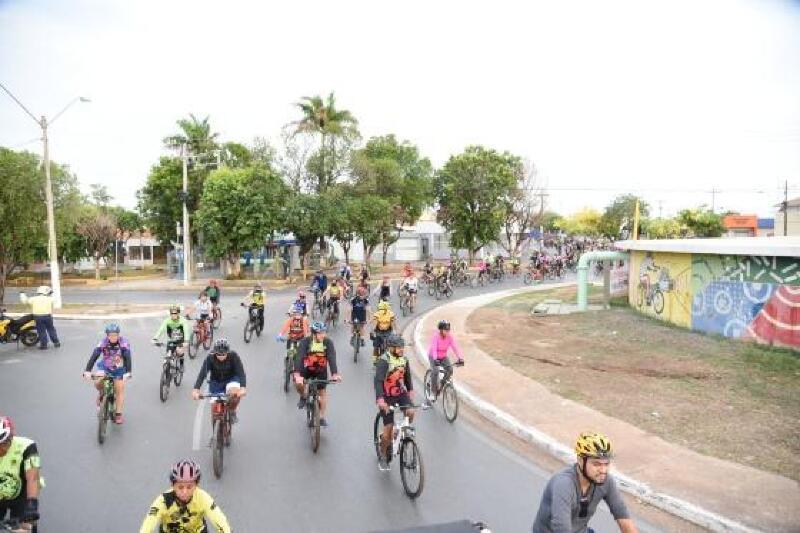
point(184, 471)
point(6, 429)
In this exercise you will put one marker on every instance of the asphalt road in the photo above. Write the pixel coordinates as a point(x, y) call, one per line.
point(272, 480)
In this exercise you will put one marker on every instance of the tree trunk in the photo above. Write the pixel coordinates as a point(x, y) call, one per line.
point(471, 257)
point(96, 265)
point(234, 266)
point(385, 249)
point(3, 277)
point(346, 249)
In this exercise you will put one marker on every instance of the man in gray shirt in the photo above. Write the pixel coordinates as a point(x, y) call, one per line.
point(571, 496)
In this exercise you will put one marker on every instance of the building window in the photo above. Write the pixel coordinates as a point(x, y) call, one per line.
point(147, 253)
point(135, 253)
point(441, 241)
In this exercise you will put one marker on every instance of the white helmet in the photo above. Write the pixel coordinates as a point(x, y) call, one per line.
point(44, 290)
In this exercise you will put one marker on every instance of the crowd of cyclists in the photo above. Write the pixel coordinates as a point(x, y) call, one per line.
point(568, 502)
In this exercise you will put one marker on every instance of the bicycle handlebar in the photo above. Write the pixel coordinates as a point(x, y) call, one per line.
point(220, 395)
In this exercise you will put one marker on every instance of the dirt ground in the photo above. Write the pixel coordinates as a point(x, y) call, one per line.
point(726, 398)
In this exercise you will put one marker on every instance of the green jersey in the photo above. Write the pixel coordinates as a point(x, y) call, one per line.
point(169, 325)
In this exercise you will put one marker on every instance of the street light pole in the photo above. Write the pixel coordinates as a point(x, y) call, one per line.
point(187, 239)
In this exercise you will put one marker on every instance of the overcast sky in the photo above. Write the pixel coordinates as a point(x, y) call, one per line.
point(668, 99)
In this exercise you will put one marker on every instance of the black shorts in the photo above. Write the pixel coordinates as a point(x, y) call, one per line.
point(403, 399)
point(320, 373)
point(214, 300)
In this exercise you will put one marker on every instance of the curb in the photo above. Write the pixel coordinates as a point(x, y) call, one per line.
point(676, 506)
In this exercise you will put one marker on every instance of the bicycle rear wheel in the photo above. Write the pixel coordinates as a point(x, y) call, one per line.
point(192, 352)
point(527, 278)
point(450, 402)
point(356, 347)
point(209, 338)
point(376, 434)
point(412, 471)
point(217, 443)
point(313, 421)
point(177, 373)
point(428, 387)
point(163, 385)
point(287, 371)
point(217, 318)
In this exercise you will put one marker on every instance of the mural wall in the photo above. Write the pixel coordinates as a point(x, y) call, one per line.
point(749, 297)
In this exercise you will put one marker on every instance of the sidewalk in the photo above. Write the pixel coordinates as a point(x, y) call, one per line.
point(716, 494)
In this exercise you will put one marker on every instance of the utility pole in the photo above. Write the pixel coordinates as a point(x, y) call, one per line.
point(541, 195)
point(660, 206)
point(713, 198)
point(786, 208)
point(187, 239)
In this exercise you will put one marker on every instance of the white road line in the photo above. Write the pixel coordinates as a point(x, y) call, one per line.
point(198, 425)
point(11, 361)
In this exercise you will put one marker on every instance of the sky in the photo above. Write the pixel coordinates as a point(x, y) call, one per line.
point(668, 100)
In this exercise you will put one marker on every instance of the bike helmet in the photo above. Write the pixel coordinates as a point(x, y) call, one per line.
point(395, 341)
point(593, 445)
point(443, 324)
point(301, 294)
point(112, 327)
point(174, 309)
point(318, 327)
point(221, 346)
point(184, 471)
point(384, 306)
point(6, 429)
point(295, 310)
point(257, 287)
point(44, 290)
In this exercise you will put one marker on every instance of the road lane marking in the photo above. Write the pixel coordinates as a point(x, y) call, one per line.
point(198, 425)
point(11, 361)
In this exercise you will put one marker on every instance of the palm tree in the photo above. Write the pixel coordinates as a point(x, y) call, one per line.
point(323, 118)
point(196, 134)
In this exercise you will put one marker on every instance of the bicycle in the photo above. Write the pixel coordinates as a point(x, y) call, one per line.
point(221, 429)
point(172, 370)
point(404, 445)
point(202, 334)
point(356, 339)
point(446, 389)
point(313, 410)
point(331, 315)
point(405, 301)
point(442, 288)
point(13, 525)
point(288, 363)
point(531, 276)
point(108, 406)
point(253, 324)
point(216, 317)
point(316, 307)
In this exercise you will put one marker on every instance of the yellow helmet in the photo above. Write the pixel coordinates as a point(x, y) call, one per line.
point(383, 306)
point(593, 445)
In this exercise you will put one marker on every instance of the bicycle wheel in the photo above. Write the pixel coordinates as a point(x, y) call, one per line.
point(177, 373)
point(197, 340)
point(428, 387)
point(192, 353)
point(412, 471)
point(376, 434)
point(527, 278)
point(658, 301)
point(356, 346)
point(217, 318)
point(450, 402)
point(313, 421)
point(102, 421)
point(404, 306)
point(448, 291)
point(217, 443)
point(431, 288)
point(287, 371)
point(209, 338)
point(163, 385)
point(248, 331)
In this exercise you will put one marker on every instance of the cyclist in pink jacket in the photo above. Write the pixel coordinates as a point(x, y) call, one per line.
point(437, 353)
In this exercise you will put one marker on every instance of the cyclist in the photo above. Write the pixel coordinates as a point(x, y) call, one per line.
point(386, 289)
point(515, 264)
point(345, 271)
point(407, 270)
point(483, 269)
point(571, 496)
point(226, 375)
point(314, 355)
point(19, 473)
point(114, 353)
point(203, 310)
point(301, 302)
point(295, 328)
point(384, 326)
point(320, 281)
point(393, 386)
point(442, 276)
point(358, 311)
point(185, 507)
point(437, 353)
point(332, 296)
point(255, 300)
point(427, 270)
point(364, 276)
point(213, 292)
point(182, 329)
point(411, 286)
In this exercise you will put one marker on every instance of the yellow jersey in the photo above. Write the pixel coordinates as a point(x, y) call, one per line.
point(383, 320)
point(257, 298)
point(173, 516)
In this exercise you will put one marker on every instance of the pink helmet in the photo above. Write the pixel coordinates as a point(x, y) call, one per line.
point(6, 429)
point(184, 471)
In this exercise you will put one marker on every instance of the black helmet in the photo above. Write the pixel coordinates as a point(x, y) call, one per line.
point(444, 324)
point(395, 341)
point(221, 346)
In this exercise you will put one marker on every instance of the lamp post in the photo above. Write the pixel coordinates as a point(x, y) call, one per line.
point(52, 248)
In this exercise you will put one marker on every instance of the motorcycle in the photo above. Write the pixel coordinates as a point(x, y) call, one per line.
point(18, 329)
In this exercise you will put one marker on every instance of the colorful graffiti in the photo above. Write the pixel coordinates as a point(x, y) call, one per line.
point(661, 286)
point(748, 297)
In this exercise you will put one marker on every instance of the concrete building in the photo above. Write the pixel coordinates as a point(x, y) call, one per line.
point(792, 218)
point(766, 227)
point(738, 288)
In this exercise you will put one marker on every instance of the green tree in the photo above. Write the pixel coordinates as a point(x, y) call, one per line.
point(473, 191)
point(22, 211)
point(323, 118)
point(308, 218)
point(240, 209)
point(396, 172)
point(550, 220)
point(343, 222)
point(98, 229)
point(702, 222)
point(621, 211)
point(664, 228)
point(100, 195)
point(127, 220)
point(584, 222)
point(524, 210)
point(159, 201)
point(372, 222)
point(195, 134)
